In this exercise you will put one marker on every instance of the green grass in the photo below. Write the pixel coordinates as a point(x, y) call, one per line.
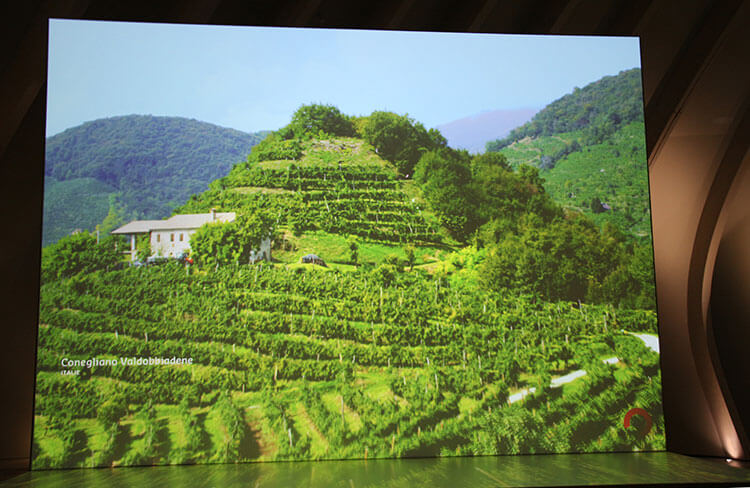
point(216, 431)
point(319, 153)
point(344, 268)
point(49, 443)
point(330, 247)
point(304, 424)
point(175, 426)
point(526, 379)
point(467, 405)
point(574, 387)
point(622, 374)
point(413, 192)
point(277, 164)
point(602, 350)
point(94, 433)
point(380, 392)
point(257, 420)
point(334, 250)
point(376, 385)
point(332, 402)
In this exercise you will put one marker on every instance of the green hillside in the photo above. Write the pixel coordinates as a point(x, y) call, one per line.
point(613, 172)
point(589, 146)
point(598, 109)
point(150, 164)
point(454, 298)
point(338, 188)
point(78, 203)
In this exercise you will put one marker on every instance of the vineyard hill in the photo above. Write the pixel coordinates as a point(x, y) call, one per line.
point(338, 188)
point(590, 148)
point(452, 284)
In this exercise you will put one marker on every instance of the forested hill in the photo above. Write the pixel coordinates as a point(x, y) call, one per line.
point(590, 148)
point(139, 166)
point(598, 109)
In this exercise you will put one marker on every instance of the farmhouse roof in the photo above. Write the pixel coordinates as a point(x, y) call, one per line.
point(136, 227)
point(185, 221)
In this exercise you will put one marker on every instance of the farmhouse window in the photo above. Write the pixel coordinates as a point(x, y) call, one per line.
point(171, 237)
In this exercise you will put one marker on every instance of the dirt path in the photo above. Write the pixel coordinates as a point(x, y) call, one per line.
point(267, 447)
point(651, 341)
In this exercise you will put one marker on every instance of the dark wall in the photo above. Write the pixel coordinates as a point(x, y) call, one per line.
point(696, 81)
point(692, 167)
point(21, 200)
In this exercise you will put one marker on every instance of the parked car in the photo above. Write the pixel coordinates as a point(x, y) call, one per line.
point(313, 259)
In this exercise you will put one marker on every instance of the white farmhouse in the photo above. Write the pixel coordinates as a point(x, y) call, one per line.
point(171, 237)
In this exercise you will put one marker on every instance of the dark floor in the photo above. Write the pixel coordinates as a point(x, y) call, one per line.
point(623, 469)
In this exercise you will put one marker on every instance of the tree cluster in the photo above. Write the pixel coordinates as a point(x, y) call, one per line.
point(533, 246)
point(400, 139)
point(233, 242)
point(274, 147)
point(319, 121)
point(79, 253)
point(468, 192)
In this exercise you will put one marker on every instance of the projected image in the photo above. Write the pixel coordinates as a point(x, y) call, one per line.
point(293, 244)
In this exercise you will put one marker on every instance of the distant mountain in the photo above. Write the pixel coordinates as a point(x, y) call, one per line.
point(599, 109)
point(143, 166)
point(473, 132)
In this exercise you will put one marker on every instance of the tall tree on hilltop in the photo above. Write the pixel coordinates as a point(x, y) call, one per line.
point(400, 139)
point(318, 120)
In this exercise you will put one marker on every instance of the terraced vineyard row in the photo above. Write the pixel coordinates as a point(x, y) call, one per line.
point(293, 177)
point(341, 306)
point(320, 365)
point(365, 200)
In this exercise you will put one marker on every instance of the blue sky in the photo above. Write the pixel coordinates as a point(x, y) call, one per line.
point(254, 78)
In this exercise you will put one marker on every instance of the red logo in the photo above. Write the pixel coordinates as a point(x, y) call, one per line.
point(639, 411)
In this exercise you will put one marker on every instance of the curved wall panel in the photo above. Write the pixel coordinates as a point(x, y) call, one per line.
point(691, 172)
point(729, 291)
